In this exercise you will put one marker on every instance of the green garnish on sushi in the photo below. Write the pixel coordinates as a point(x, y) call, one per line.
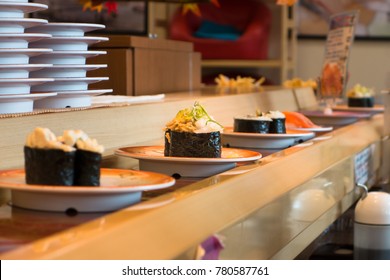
point(193, 133)
point(194, 119)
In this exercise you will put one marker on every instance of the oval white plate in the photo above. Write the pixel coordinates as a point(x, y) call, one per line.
point(20, 56)
point(66, 57)
point(376, 109)
point(21, 86)
point(313, 129)
point(68, 43)
point(264, 141)
point(12, 25)
point(20, 40)
point(118, 189)
point(20, 103)
point(67, 84)
point(66, 29)
point(69, 71)
point(23, 71)
point(152, 158)
point(11, 9)
point(70, 99)
point(336, 118)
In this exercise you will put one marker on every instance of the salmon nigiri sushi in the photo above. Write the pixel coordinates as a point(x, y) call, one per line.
point(298, 120)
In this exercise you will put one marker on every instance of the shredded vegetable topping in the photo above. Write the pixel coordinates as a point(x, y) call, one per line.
point(194, 119)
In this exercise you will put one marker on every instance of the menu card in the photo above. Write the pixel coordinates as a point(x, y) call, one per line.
point(338, 44)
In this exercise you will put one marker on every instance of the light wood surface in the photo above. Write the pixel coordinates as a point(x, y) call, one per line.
point(193, 213)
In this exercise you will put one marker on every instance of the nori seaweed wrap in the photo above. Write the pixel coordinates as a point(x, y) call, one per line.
point(87, 168)
point(251, 124)
point(88, 157)
point(361, 102)
point(278, 126)
point(189, 144)
point(49, 166)
point(361, 96)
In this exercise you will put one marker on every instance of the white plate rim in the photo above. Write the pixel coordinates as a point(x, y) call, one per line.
point(86, 39)
point(27, 36)
point(25, 50)
point(336, 115)
point(31, 96)
point(84, 92)
point(25, 80)
point(290, 133)
point(315, 129)
point(346, 108)
point(84, 27)
point(192, 160)
point(26, 7)
point(83, 79)
point(167, 182)
point(77, 66)
point(25, 66)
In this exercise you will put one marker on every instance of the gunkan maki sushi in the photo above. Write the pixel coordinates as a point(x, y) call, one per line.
point(360, 96)
point(88, 157)
point(252, 124)
point(47, 160)
point(193, 133)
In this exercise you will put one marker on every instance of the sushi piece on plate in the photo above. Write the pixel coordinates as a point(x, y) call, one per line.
point(193, 133)
point(47, 160)
point(88, 157)
point(298, 120)
point(360, 96)
point(278, 123)
point(252, 124)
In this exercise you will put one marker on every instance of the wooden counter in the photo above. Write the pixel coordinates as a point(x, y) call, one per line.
point(173, 224)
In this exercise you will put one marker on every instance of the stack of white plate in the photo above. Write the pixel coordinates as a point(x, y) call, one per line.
point(69, 68)
point(15, 54)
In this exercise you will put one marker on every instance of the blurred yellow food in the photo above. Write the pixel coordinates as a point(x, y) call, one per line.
point(224, 81)
point(296, 83)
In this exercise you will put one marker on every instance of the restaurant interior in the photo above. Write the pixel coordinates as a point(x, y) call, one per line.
point(194, 130)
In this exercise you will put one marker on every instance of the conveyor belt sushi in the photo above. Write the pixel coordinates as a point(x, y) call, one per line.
point(360, 96)
point(72, 159)
point(278, 121)
point(193, 133)
point(88, 157)
point(252, 124)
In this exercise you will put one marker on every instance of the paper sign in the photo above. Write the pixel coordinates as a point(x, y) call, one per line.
point(338, 44)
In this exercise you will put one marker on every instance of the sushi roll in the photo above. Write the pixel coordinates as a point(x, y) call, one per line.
point(47, 160)
point(278, 123)
point(88, 157)
point(360, 96)
point(193, 133)
point(252, 124)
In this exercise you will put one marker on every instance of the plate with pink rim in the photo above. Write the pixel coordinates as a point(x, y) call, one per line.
point(118, 188)
point(152, 158)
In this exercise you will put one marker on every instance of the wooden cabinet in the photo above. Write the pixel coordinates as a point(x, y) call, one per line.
point(141, 65)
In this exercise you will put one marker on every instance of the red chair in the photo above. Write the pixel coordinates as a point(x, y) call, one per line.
point(251, 18)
